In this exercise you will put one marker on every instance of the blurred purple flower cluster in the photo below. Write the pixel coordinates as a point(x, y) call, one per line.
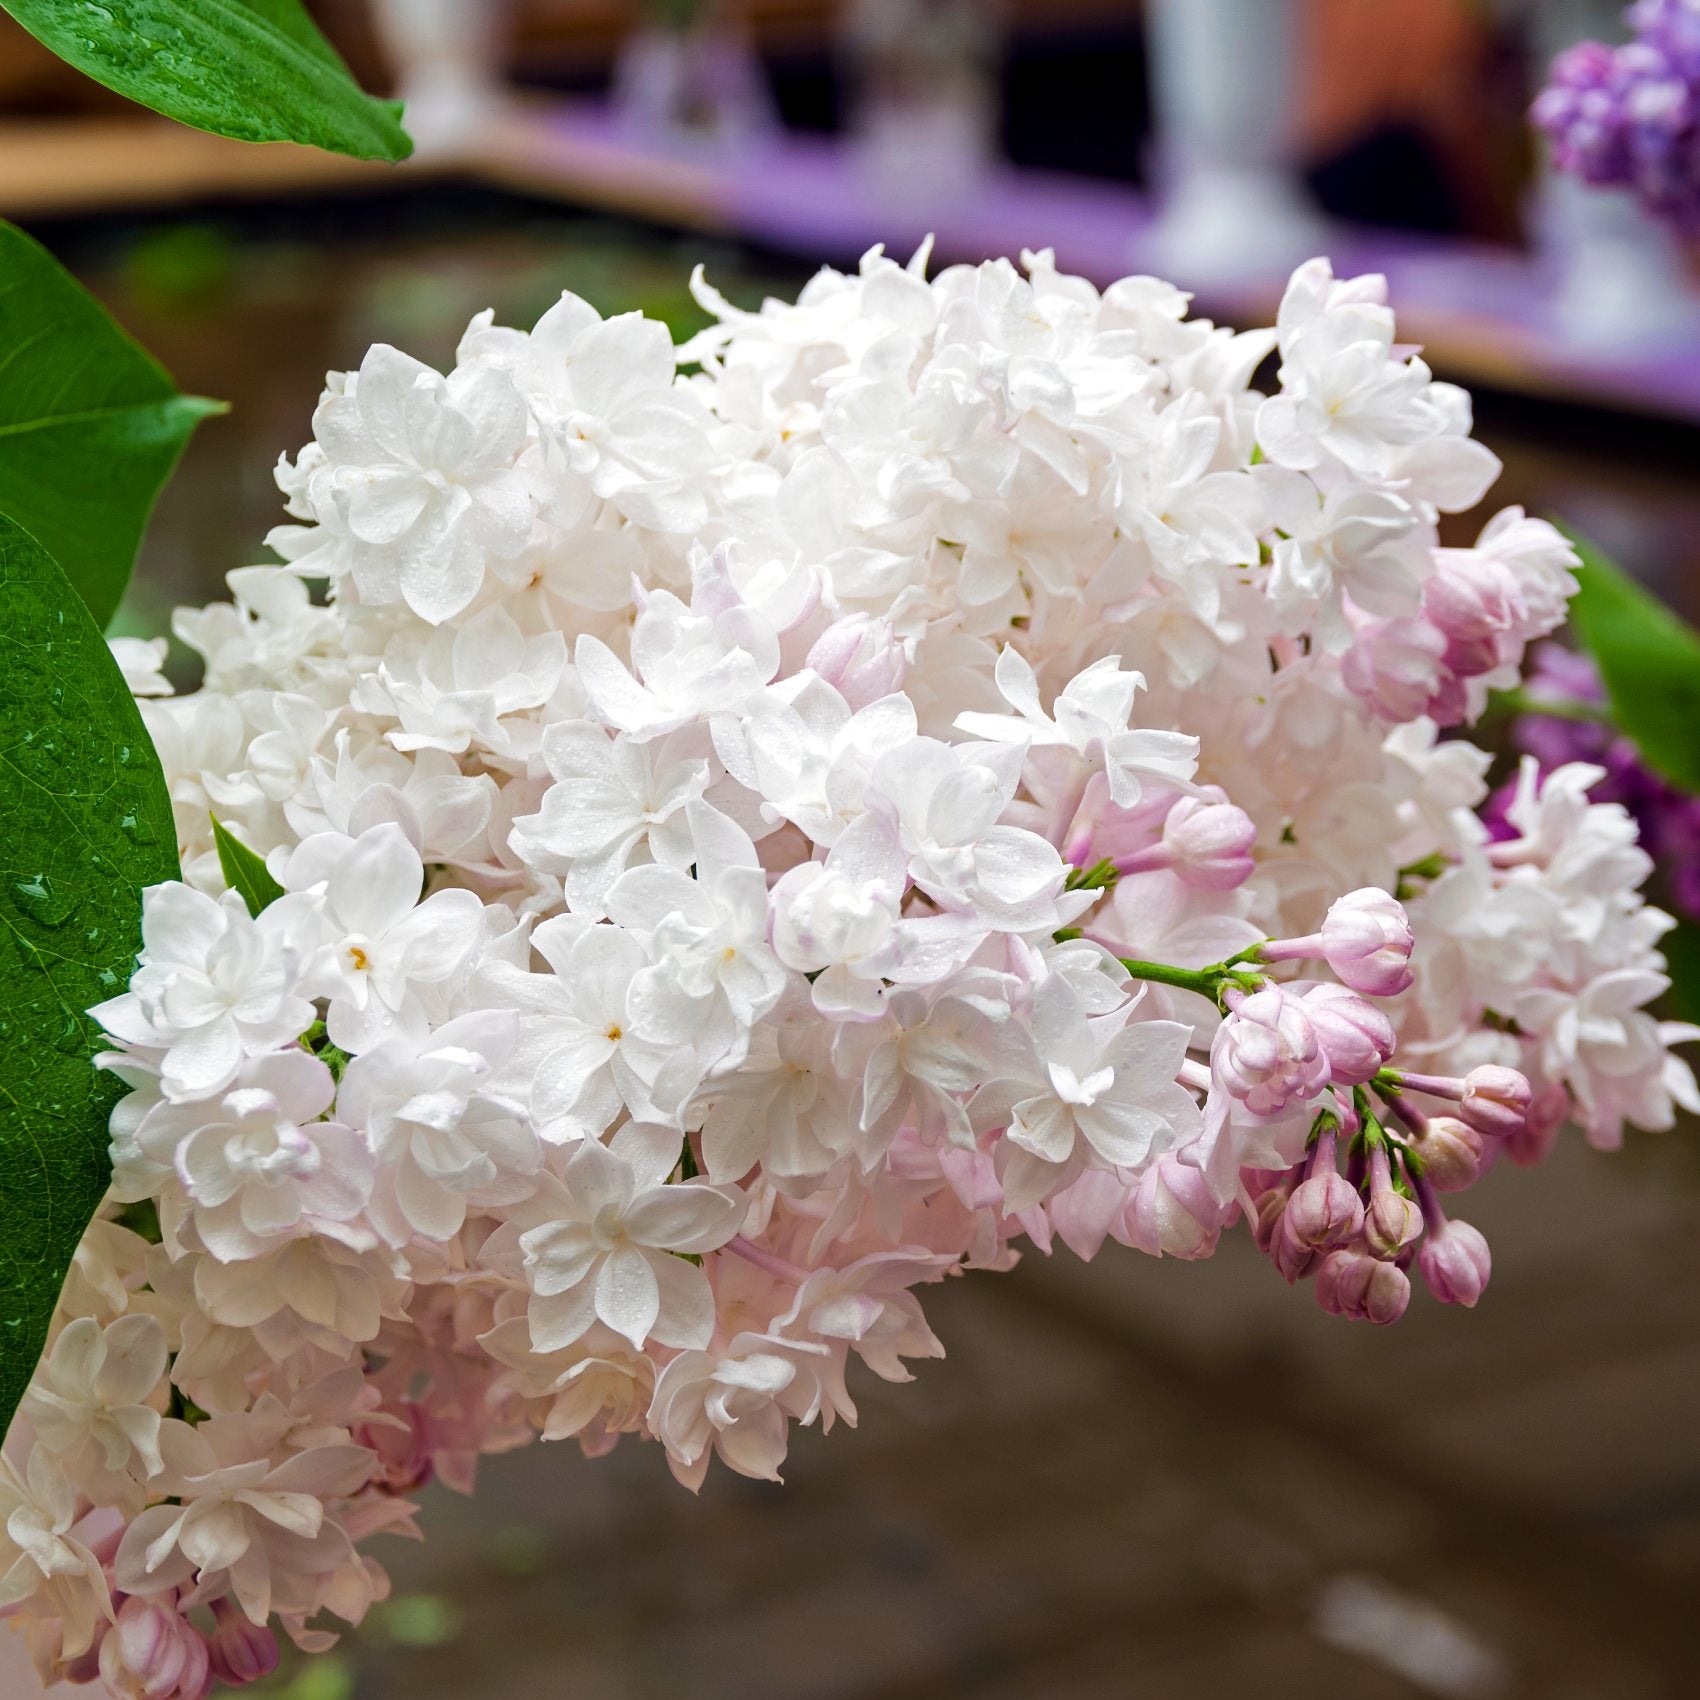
point(1669, 819)
point(1630, 115)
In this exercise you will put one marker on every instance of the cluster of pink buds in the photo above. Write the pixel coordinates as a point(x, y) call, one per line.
point(1359, 1232)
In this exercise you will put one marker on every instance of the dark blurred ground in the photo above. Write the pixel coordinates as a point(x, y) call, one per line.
point(1128, 1479)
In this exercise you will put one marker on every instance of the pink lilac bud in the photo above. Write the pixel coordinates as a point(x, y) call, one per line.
point(860, 657)
point(1471, 600)
point(1367, 941)
point(153, 1653)
point(1355, 1036)
point(1209, 842)
point(1271, 1210)
point(1530, 1144)
point(1496, 1100)
point(1351, 1283)
point(1455, 1262)
point(1266, 1053)
point(241, 1651)
point(1397, 666)
point(1365, 938)
point(1172, 1212)
point(1391, 1221)
point(1324, 1212)
point(1451, 1151)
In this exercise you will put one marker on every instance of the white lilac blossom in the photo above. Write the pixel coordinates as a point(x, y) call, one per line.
point(766, 826)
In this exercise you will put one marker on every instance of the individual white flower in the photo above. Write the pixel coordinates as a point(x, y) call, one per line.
point(419, 475)
point(260, 1524)
point(42, 1555)
point(736, 1405)
point(594, 1390)
point(943, 803)
point(714, 975)
point(1091, 1089)
point(443, 1134)
point(688, 667)
point(609, 1246)
point(474, 684)
point(381, 944)
point(616, 415)
point(614, 801)
point(214, 985)
point(93, 1389)
point(256, 1164)
point(1089, 720)
point(581, 1051)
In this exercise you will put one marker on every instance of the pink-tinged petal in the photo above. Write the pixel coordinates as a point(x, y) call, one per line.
point(432, 1211)
point(558, 1256)
point(628, 1295)
point(324, 1471)
point(135, 1360)
point(685, 1317)
point(559, 1319)
point(78, 1355)
point(149, 1559)
point(690, 1216)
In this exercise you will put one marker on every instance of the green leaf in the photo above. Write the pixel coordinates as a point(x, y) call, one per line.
point(90, 425)
point(88, 824)
point(258, 70)
point(1649, 659)
point(244, 872)
point(1681, 947)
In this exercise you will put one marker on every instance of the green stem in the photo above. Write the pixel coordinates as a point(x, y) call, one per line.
point(1519, 701)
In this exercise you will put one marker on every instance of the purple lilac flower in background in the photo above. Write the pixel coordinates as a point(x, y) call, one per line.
point(1669, 819)
point(1629, 116)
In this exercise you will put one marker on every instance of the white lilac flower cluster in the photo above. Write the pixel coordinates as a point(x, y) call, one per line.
point(767, 825)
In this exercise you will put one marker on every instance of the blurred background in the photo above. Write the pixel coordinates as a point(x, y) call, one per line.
point(1128, 1479)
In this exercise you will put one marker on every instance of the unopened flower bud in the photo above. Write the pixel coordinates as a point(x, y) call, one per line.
point(1391, 1221)
point(1324, 1212)
point(1451, 1151)
point(860, 657)
point(153, 1653)
point(241, 1651)
point(1350, 1283)
point(1266, 1224)
point(1209, 842)
point(1355, 1036)
point(1455, 1263)
point(1290, 1255)
point(1367, 941)
point(1496, 1100)
point(1173, 1212)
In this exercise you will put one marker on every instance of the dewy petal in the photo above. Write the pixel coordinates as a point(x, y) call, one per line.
point(689, 1216)
point(376, 882)
point(628, 1296)
point(685, 1319)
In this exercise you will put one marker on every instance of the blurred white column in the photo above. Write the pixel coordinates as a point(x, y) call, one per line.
point(1621, 282)
point(922, 77)
point(690, 76)
point(448, 60)
point(1224, 86)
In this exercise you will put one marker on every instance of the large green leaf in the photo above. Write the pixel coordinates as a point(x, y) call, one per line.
point(258, 70)
point(1649, 658)
point(87, 824)
point(90, 425)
